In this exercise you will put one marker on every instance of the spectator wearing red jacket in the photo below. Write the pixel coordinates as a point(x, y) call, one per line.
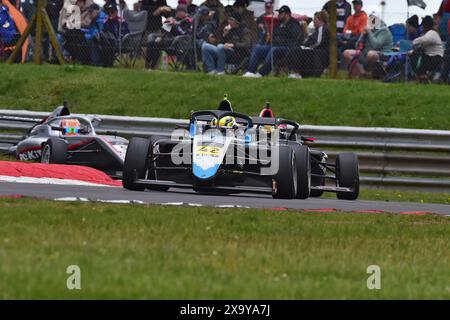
point(354, 27)
point(357, 21)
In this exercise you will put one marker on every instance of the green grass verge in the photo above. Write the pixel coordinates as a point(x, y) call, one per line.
point(159, 252)
point(400, 195)
point(174, 95)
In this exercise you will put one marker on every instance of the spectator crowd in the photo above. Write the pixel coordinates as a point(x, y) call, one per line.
point(222, 39)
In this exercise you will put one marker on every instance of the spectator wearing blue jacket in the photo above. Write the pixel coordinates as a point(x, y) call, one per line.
point(114, 29)
point(115, 25)
point(413, 29)
point(92, 35)
point(9, 35)
point(98, 18)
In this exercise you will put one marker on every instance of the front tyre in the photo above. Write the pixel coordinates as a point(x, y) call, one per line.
point(347, 173)
point(285, 180)
point(303, 163)
point(54, 151)
point(136, 162)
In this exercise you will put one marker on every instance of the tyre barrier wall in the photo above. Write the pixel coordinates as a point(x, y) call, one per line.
point(389, 157)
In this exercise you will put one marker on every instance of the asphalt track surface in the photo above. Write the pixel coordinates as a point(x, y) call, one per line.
point(188, 197)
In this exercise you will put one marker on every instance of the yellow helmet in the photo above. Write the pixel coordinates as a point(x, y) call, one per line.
point(227, 122)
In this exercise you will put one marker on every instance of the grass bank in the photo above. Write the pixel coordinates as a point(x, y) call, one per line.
point(127, 251)
point(174, 95)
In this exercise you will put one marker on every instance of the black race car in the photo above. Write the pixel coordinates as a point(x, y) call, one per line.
point(69, 139)
point(222, 151)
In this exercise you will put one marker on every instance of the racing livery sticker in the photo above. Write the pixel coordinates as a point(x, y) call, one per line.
point(30, 155)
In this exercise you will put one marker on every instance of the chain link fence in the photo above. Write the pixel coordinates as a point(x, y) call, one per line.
point(223, 40)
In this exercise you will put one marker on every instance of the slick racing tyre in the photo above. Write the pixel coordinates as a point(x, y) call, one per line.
point(303, 163)
point(54, 150)
point(347, 174)
point(135, 166)
point(285, 180)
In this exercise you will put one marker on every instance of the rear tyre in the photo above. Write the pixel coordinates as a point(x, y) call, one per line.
point(151, 172)
point(303, 163)
point(54, 151)
point(286, 177)
point(347, 174)
point(136, 161)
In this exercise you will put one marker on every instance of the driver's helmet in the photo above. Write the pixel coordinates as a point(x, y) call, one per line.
point(268, 128)
point(283, 130)
point(225, 122)
point(70, 126)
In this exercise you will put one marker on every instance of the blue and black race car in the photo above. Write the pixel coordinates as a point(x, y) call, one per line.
point(222, 151)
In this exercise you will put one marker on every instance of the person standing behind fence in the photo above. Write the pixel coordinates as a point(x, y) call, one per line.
point(156, 10)
point(53, 9)
point(313, 56)
point(343, 11)
point(428, 51)
point(285, 35)
point(121, 8)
